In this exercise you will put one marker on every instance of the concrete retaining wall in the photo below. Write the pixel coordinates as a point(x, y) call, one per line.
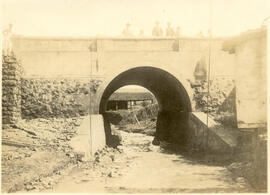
point(90, 137)
point(215, 138)
point(250, 76)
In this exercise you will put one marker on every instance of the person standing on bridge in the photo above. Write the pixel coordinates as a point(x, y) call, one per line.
point(200, 34)
point(169, 30)
point(157, 30)
point(7, 43)
point(126, 32)
point(141, 33)
point(177, 32)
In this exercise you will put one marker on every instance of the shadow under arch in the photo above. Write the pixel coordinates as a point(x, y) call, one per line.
point(173, 99)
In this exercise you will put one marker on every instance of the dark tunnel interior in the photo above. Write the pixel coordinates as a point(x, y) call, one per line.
point(173, 100)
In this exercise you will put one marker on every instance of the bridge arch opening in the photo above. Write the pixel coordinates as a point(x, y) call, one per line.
point(173, 100)
point(131, 98)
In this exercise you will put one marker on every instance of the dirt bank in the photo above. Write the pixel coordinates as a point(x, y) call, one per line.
point(34, 149)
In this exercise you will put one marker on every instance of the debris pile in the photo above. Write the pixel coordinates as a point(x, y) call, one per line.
point(122, 117)
point(35, 149)
point(147, 112)
point(108, 157)
point(135, 142)
point(105, 163)
point(147, 127)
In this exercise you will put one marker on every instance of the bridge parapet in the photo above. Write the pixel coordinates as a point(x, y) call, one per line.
point(76, 55)
point(28, 43)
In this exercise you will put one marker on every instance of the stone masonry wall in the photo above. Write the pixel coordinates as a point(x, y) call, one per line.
point(11, 93)
point(56, 97)
point(221, 104)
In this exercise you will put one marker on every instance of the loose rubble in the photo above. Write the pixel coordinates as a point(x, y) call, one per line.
point(123, 117)
point(57, 97)
point(35, 149)
point(220, 103)
point(220, 89)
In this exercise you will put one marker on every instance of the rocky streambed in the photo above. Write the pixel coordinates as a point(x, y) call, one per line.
point(46, 163)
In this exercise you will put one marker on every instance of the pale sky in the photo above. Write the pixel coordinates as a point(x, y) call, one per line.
point(132, 88)
point(108, 17)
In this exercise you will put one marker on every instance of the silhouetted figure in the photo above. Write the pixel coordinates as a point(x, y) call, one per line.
point(201, 34)
point(169, 30)
point(177, 32)
point(200, 71)
point(157, 31)
point(7, 44)
point(126, 32)
point(141, 33)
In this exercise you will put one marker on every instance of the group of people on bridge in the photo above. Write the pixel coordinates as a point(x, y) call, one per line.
point(156, 32)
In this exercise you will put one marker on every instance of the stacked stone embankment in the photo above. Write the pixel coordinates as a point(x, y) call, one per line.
point(11, 89)
point(221, 101)
point(57, 97)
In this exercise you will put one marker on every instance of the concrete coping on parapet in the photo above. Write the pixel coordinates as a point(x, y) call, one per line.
point(133, 38)
point(227, 134)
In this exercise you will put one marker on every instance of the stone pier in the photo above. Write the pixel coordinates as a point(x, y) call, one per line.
point(11, 90)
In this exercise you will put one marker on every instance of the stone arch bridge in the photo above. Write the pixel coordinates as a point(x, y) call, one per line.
point(162, 65)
